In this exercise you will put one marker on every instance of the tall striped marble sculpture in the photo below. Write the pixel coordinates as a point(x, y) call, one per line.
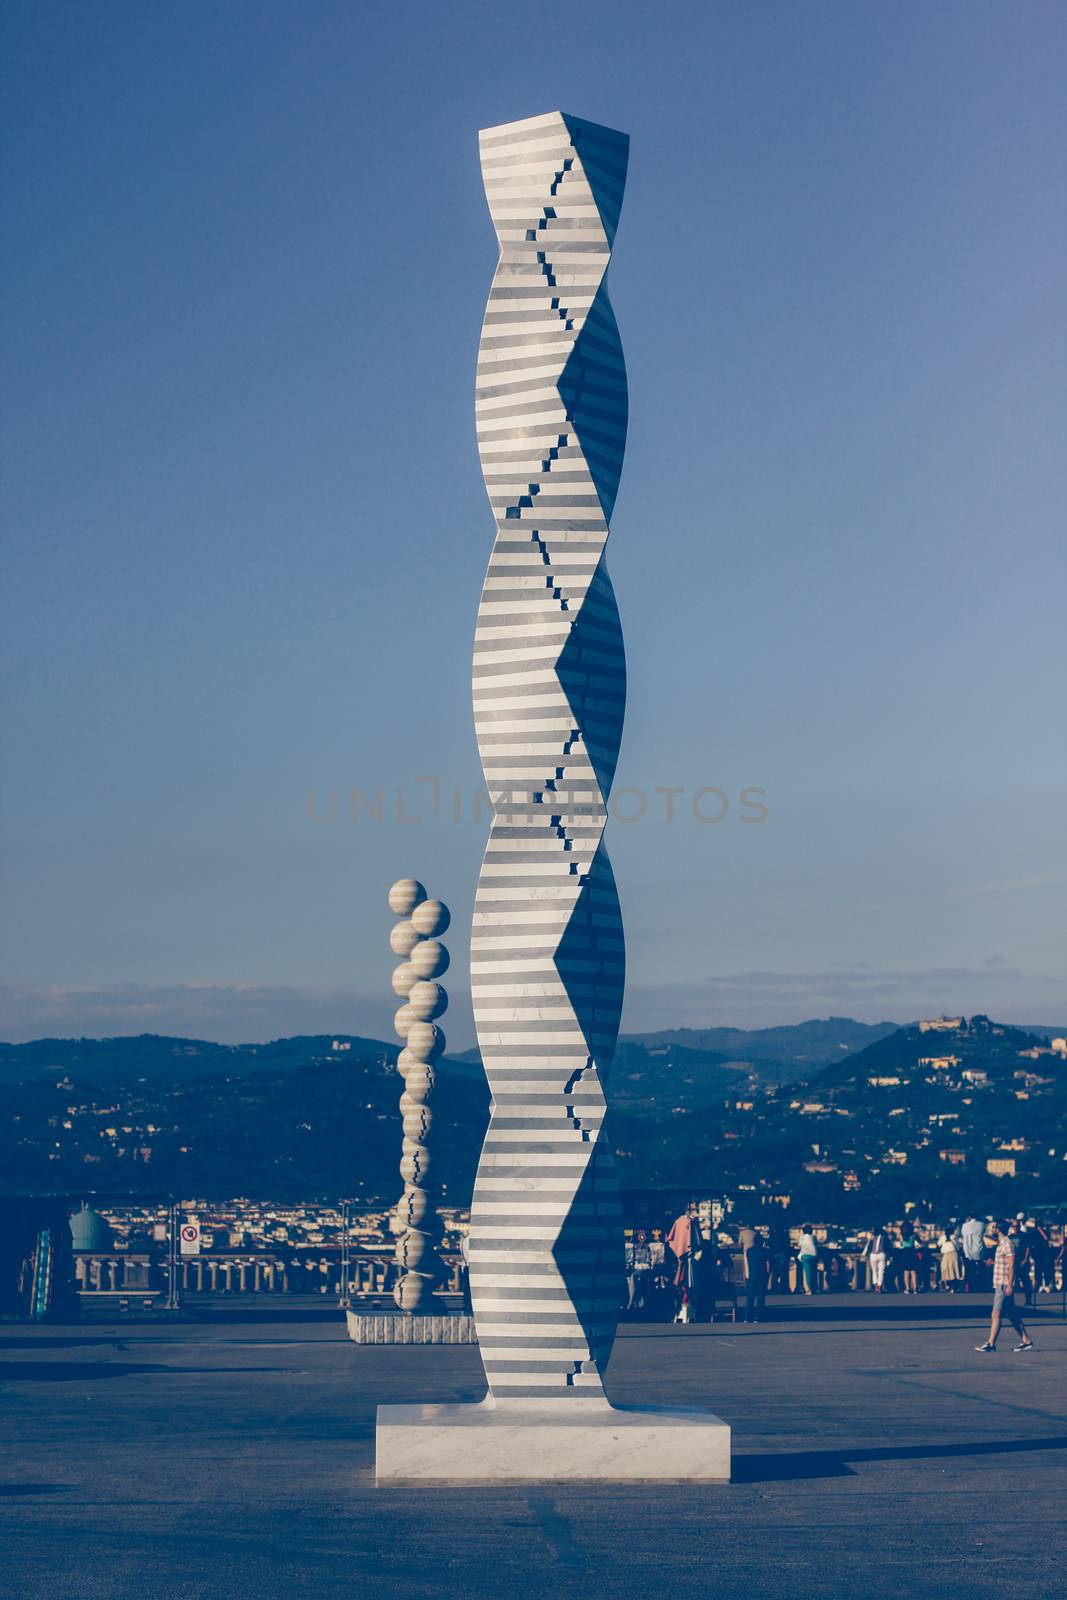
point(546, 942)
point(416, 939)
point(549, 691)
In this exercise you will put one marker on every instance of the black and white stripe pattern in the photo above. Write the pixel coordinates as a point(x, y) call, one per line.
point(547, 958)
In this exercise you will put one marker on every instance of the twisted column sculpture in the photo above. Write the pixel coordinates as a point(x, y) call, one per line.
point(424, 958)
point(547, 960)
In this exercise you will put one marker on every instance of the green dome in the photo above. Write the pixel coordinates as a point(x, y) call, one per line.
point(88, 1230)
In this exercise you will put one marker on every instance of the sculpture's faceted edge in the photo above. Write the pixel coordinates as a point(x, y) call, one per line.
point(591, 1442)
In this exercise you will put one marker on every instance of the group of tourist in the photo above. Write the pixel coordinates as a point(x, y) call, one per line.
point(958, 1258)
point(688, 1269)
point(685, 1271)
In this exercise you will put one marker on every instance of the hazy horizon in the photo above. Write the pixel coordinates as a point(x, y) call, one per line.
point(259, 1014)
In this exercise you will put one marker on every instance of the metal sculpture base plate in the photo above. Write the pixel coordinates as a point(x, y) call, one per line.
point(403, 1327)
point(551, 1441)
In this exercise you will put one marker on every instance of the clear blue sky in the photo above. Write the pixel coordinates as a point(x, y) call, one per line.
point(246, 260)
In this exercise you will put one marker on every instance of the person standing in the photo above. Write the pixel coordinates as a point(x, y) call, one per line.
point(807, 1256)
point(641, 1271)
point(681, 1239)
point(1004, 1295)
point(465, 1272)
point(1022, 1257)
point(906, 1247)
point(972, 1238)
point(659, 1284)
point(877, 1251)
point(779, 1256)
point(1028, 1272)
point(1041, 1249)
point(757, 1270)
point(704, 1274)
point(950, 1261)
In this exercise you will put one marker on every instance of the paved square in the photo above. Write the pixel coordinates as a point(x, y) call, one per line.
point(875, 1454)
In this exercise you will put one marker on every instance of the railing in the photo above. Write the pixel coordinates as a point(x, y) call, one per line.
point(367, 1277)
point(245, 1272)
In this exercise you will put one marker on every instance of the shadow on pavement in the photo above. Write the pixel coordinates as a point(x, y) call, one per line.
point(77, 1371)
point(835, 1463)
point(51, 1342)
point(9, 1490)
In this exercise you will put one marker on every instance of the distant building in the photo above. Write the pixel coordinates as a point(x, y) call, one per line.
point(955, 1158)
point(940, 1025)
point(1001, 1166)
point(1059, 1047)
point(340, 1044)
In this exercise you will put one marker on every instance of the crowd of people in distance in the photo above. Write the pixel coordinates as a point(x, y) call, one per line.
point(958, 1258)
point(692, 1270)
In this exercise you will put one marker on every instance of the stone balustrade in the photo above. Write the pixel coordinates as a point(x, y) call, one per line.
point(245, 1272)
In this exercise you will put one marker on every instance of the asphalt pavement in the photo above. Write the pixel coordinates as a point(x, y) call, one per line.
point(875, 1454)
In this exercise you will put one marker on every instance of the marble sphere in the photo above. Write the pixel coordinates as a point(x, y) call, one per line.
point(431, 917)
point(426, 1000)
point(429, 958)
point(403, 979)
point(417, 1123)
point(403, 939)
point(409, 1061)
point(405, 895)
point(425, 1042)
point(415, 1165)
point(403, 1020)
point(410, 1292)
point(412, 1249)
point(419, 1081)
point(414, 1208)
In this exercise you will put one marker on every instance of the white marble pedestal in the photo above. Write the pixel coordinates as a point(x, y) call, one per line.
point(550, 1441)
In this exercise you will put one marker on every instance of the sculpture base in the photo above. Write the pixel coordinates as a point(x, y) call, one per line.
point(404, 1327)
point(551, 1441)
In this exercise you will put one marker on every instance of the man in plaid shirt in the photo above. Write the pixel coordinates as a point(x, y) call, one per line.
point(1004, 1294)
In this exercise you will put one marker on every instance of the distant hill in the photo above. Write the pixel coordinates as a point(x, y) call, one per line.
point(309, 1129)
point(916, 1115)
point(794, 1049)
point(913, 1115)
point(153, 1058)
point(704, 1063)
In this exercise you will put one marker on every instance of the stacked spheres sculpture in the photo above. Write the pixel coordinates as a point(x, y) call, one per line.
point(416, 939)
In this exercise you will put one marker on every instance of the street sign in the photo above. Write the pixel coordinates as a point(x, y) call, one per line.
point(190, 1238)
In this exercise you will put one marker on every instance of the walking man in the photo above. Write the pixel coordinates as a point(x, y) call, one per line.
point(1004, 1295)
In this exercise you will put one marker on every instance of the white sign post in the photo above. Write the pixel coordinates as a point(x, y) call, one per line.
point(190, 1238)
